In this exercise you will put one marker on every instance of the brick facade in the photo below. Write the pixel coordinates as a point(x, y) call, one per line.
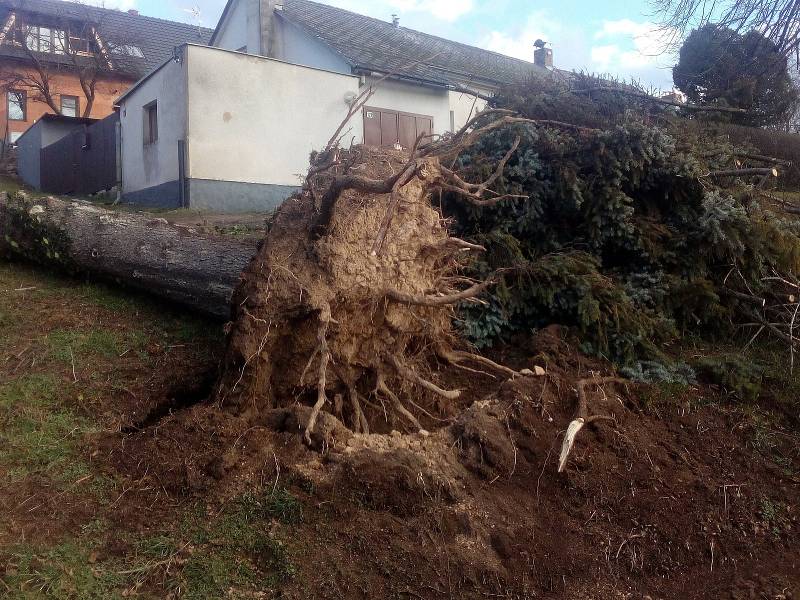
point(67, 84)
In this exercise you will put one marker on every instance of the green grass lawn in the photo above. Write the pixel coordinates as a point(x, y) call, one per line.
point(74, 360)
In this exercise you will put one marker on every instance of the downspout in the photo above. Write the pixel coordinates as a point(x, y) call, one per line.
point(183, 145)
point(118, 150)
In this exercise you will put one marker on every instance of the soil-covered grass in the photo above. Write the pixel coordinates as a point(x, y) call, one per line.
point(79, 361)
point(117, 480)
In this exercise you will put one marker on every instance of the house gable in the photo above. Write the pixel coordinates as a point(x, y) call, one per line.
point(327, 37)
point(297, 45)
point(239, 27)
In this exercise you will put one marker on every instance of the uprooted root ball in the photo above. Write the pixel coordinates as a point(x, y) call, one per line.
point(349, 300)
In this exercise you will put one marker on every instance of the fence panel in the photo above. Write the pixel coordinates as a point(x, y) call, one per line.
point(84, 162)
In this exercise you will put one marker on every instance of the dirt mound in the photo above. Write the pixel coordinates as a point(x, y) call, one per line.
point(647, 507)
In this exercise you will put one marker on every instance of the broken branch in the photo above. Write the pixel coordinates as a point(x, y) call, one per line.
point(767, 171)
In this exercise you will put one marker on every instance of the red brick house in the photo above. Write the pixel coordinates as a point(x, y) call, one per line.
point(67, 58)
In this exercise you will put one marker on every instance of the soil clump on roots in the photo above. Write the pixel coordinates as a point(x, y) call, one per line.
point(348, 304)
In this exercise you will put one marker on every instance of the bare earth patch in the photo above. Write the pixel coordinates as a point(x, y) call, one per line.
point(117, 477)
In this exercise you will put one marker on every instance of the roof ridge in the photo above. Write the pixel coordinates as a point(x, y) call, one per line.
point(417, 31)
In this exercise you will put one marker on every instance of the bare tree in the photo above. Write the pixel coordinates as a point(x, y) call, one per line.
point(77, 45)
point(777, 20)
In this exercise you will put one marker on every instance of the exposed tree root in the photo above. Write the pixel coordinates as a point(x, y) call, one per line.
point(583, 418)
point(456, 357)
point(358, 278)
point(324, 355)
point(471, 292)
point(384, 389)
point(414, 377)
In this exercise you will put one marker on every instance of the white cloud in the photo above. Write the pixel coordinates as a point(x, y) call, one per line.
point(519, 43)
point(625, 48)
point(446, 10)
point(603, 55)
point(637, 49)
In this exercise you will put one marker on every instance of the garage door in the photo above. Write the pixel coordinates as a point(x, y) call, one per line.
point(389, 127)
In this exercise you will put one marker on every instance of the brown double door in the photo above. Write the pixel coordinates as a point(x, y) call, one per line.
point(388, 127)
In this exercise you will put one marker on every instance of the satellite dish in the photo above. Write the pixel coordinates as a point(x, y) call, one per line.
point(539, 43)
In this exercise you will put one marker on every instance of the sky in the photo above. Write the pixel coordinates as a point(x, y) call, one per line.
point(601, 36)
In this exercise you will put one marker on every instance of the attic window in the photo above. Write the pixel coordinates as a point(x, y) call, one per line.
point(45, 39)
point(127, 50)
point(41, 37)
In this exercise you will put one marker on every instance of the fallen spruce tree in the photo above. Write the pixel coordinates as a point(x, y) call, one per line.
point(636, 229)
point(350, 302)
point(140, 251)
point(576, 212)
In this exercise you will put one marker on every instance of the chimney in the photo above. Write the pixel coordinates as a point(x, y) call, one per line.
point(133, 11)
point(395, 20)
point(271, 33)
point(543, 57)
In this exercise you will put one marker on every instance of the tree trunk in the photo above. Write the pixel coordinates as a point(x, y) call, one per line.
point(766, 171)
point(138, 250)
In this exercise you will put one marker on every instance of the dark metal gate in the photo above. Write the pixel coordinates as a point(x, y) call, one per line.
point(83, 162)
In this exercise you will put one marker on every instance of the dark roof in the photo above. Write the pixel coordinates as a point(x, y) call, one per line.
point(374, 45)
point(51, 118)
point(66, 119)
point(154, 37)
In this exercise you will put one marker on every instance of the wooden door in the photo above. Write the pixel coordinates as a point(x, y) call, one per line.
point(380, 127)
point(407, 130)
point(389, 124)
point(389, 127)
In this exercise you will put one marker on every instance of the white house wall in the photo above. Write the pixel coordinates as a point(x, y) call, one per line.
point(412, 98)
point(464, 107)
point(241, 28)
point(252, 123)
point(295, 45)
point(150, 172)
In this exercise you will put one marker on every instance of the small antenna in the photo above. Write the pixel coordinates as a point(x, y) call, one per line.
point(195, 12)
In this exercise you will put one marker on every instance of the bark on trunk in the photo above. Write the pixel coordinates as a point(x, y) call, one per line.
point(139, 250)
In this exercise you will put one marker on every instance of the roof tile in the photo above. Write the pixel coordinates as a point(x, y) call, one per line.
point(155, 37)
point(372, 44)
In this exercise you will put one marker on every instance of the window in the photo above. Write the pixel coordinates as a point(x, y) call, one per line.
point(242, 49)
point(43, 38)
point(16, 105)
point(79, 41)
point(69, 106)
point(127, 50)
point(151, 123)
